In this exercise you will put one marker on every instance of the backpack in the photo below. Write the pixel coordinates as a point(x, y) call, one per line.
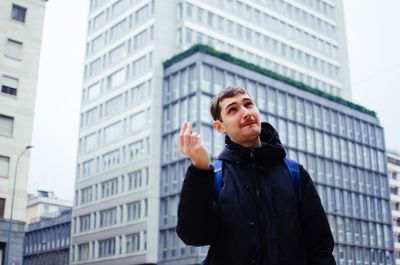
point(292, 166)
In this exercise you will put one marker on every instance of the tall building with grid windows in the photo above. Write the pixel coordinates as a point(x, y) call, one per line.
point(21, 26)
point(117, 191)
point(393, 162)
point(339, 143)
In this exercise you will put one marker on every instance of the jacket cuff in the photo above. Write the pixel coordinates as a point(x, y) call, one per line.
point(200, 174)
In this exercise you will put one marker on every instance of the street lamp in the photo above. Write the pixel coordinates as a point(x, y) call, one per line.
point(12, 205)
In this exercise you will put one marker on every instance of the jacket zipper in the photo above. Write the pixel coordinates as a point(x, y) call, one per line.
point(258, 205)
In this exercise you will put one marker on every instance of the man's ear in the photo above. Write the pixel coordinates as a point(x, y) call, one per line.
point(219, 126)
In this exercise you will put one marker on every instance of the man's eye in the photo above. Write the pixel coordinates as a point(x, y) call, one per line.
point(231, 110)
point(249, 104)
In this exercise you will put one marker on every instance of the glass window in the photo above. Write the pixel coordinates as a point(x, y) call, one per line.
point(282, 104)
point(300, 110)
point(119, 7)
point(329, 172)
point(301, 138)
point(9, 85)
point(340, 228)
point(335, 147)
point(116, 78)
point(327, 145)
point(133, 242)
point(83, 251)
point(334, 122)
point(106, 247)
point(349, 125)
point(18, 13)
point(90, 141)
point(282, 131)
point(117, 54)
point(93, 91)
point(193, 79)
point(291, 107)
point(317, 116)
point(339, 202)
point(13, 49)
point(291, 134)
point(308, 113)
point(326, 119)
point(207, 78)
point(108, 217)
point(86, 195)
point(111, 159)
point(112, 132)
point(6, 125)
point(95, 66)
point(113, 105)
point(337, 174)
point(271, 97)
point(310, 140)
point(4, 166)
point(343, 150)
point(134, 210)
point(318, 143)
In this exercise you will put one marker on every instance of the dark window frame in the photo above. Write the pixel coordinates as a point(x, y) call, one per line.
point(18, 13)
point(2, 207)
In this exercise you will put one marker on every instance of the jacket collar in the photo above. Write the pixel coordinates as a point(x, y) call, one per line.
point(271, 148)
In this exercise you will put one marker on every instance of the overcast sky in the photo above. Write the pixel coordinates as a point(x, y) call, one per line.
point(374, 53)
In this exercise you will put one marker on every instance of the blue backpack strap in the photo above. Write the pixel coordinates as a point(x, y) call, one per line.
point(294, 171)
point(217, 178)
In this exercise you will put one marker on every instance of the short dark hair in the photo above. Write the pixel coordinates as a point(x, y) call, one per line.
point(227, 92)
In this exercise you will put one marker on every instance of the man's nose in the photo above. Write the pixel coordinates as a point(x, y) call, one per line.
point(245, 112)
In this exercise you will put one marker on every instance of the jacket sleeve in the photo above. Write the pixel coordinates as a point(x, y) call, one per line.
point(196, 213)
point(317, 234)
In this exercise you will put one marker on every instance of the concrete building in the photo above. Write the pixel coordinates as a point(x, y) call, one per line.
point(47, 242)
point(340, 144)
point(117, 190)
point(45, 205)
point(21, 24)
point(393, 164)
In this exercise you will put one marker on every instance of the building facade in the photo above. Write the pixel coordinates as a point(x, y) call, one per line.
point(340, 144)
point(117, 191)
point(393, 164)
point(45, 205)
point(21, 23)
point(47, 242)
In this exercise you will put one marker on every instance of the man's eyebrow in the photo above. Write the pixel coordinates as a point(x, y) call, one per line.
point(236, 102)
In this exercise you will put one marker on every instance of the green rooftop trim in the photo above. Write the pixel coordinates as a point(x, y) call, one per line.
point(229, 58)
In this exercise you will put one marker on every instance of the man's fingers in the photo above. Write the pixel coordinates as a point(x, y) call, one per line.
point(183, 128)
point(196, 138)
point(186, 137)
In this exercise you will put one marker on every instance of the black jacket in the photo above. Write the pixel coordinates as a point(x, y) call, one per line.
point(258, 218)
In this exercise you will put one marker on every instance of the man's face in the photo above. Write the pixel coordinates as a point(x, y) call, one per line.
point(240, 120)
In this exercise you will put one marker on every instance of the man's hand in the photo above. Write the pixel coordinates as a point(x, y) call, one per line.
point(190, 146)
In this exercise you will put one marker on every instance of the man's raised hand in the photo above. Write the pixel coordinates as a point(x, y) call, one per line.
point(190, 146)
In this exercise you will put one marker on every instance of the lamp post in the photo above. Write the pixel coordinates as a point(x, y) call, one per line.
point(7, 258)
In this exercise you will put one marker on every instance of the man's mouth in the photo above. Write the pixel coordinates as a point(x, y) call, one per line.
point(247, 123)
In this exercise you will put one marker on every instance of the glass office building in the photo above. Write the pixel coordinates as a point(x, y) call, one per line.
point(117, 188)
point(339, 143)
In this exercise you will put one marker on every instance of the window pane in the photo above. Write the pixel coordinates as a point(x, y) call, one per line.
point(18, 13)
point(9, 85)
point(4, 165)
point(6, 125)
point(14, 49)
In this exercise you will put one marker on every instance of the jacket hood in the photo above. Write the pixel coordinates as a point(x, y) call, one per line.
point(271, 148)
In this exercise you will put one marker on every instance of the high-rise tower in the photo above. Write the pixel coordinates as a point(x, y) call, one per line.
point(117, 194)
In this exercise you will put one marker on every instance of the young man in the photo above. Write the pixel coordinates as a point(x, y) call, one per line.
point(257, 217)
